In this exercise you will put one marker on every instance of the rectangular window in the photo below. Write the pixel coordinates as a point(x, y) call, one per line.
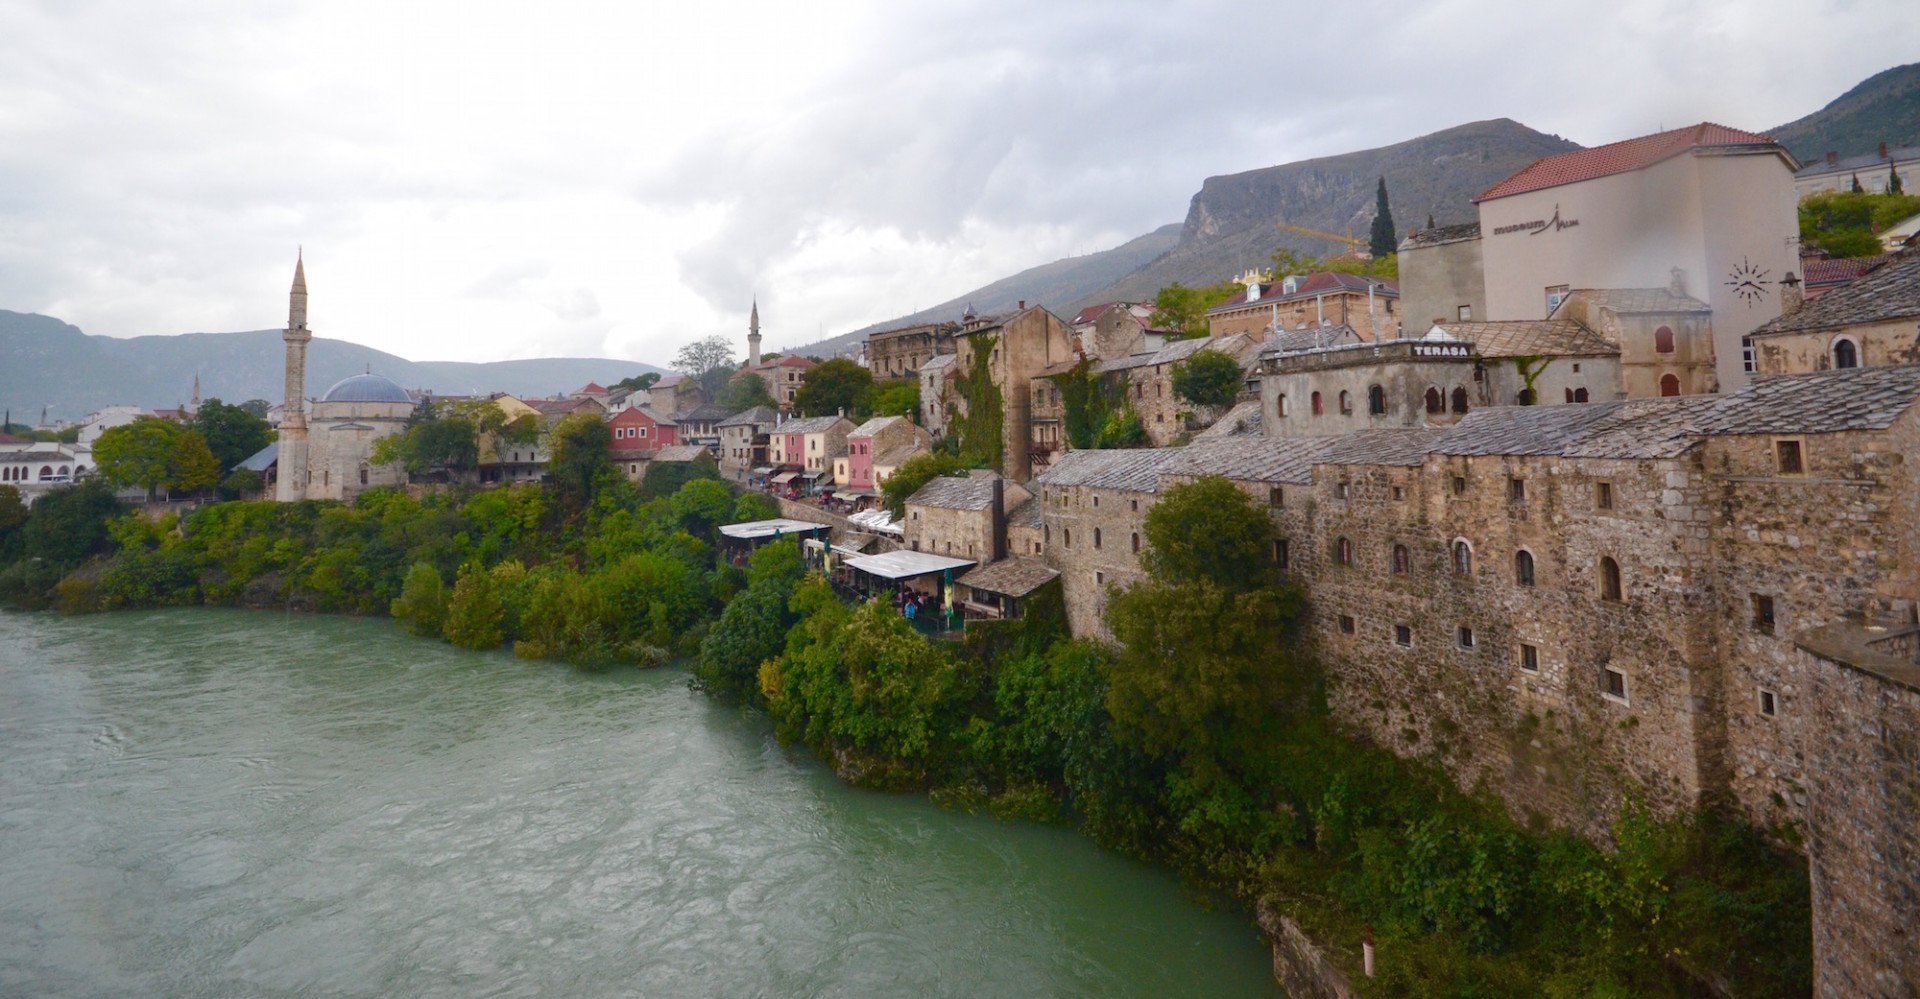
point(1787, 453)
point(1746, 354)
point(1555, 295)
point(1465, 637)
point(1099, 579)
point(1529, 658)
point(1276, 497)
point(1135, 504)
point(1769, 704)
point(1763, 614)
point(1399, 493)
point(1403, 636)
point(1613, 684)
point(1346, 624)
point(1280, 552)
point(1341, 490)
point(1096, 501)
point(1464, 313)
point(1603, 496)
point(1517, 490)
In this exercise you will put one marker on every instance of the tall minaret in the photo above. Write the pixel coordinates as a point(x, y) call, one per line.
point(293, 420)
point(753, 335)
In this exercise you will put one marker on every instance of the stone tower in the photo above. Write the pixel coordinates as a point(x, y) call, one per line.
point(292, 486)
point(753, 335)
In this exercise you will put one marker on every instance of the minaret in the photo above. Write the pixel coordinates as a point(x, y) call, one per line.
point(195, 408)
point(753, 335)
point(292, 486)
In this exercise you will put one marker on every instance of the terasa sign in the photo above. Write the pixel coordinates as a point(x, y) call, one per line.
point(1538, 226)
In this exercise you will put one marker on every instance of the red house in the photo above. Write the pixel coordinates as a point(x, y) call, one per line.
point(641, 429)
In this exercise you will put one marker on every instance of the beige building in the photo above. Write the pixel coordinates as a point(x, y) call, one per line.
point(1442, 278)
point(963, 516)
point(899, 353)
point(744, 438)
point(1834, 172)
point(1873, 321)
point(1325, 298)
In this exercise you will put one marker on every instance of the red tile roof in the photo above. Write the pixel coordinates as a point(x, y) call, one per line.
point(1620, 157)
point(1317, 283)
point(1091, 313)
point(1822, 274)
point(592, 388)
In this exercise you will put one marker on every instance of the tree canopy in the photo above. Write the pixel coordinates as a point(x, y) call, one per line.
point(913, 473)
point(1183, 311)
point(578, 455)
point(745, 391)
point(232, 433)
point(1848, 223)
point(156, 454)
point(1208, 530)
point(1208, 378)
point(836, 386)
point(641, 381)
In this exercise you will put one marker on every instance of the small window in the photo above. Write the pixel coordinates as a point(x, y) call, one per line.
point(1580, 394)
point(1099, 578)
point(1096, 501)
point(1526, 397)
point(1610, 588)
point(1529, 658)
point(1342, 490)
point(1464, 635)
point(1523, 568)
point(1316, 404)
point(1136, 541)
point(1376, 401)
point(1399, 493)
point(1613, 683)
point(1402, 560)
point(1787, 454)
point(1346, 404)
point(1066, 536)
point(1459, 485)
point(1459, 399)
point(1343, 551)
point(1747, 360)
point(1280, 405)
point(1464, 313)
point(1403, 636)
point(1276, 497)
point(1763, 614)
point(1135, 504)
point(1280, 552)
point(1663, 340)
point(1769, 703)
point(1096, 538)
point(1603, 495)
point(1346, 624)
point(1434, 403)
point(1516, 489)
point(1462, 558)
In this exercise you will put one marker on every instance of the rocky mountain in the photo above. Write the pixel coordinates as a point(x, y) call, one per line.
point(48, 363)
point(1885, 107)
point(1231, 221)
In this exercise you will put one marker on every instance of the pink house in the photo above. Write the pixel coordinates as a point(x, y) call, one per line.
point(876, 447)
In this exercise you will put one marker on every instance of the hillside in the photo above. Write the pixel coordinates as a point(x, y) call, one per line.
point(1885, 107)
point(1230, 223)
point(46, 362)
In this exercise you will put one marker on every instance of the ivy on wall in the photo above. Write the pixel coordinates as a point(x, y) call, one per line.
point(981, 429)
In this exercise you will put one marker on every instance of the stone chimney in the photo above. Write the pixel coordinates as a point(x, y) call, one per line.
point(1023, 302)
point(997, 525)
point(1883, 150)
point(1833, 158)
point(1791, 295)
point(1677, 283)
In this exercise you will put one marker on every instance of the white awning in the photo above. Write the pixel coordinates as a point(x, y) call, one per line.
point(758, 529)
point(908, 564)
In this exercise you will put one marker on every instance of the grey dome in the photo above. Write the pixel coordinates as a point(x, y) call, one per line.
point(366, 388)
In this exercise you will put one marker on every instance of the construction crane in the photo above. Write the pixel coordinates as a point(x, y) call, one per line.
point(1355, 247)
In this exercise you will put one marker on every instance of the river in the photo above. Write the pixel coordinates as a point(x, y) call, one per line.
point(234, 803)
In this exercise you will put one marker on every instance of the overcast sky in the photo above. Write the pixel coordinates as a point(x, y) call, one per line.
point(475, 181)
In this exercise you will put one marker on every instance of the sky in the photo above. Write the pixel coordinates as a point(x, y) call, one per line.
point(482, 181)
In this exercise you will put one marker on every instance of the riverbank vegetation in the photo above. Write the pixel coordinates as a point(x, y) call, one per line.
point(1200, 737)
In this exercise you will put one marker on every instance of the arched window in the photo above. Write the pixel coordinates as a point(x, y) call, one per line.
point(1569, 396)
point(1580, 395)
point(46, 472)
point(1459, 399)
point(1663, 340)
point(1343, 551)
point(1669, 384)
point(1609, 579)
point(1317, 409)
point(1066, 536)
point(1845, 354)
point(1434, 405)
point(1402, 560)
point(1523, 567)
point(1376, 401)
point(1525, 398)
point(1462, 558)
point(1280, 405)
point(1346, 404)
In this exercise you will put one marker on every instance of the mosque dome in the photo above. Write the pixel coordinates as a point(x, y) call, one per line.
point(366, 388)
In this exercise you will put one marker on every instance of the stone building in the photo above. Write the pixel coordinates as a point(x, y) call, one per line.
point(1872, 321)
point(1144, 380)
point(1116, 329)
point(936, 385)
point(899, 353)
point(1442, 279)
point(964, 516)
point(1020, 346)
point(1673, 600)
point(743, 441)
point(1324, 298)
point(877, 447)
point(808, 445)
point(1664, 337)
point(783, 376)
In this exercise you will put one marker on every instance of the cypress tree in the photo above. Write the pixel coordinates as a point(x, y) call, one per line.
point(1381, 243)
point(1857, 189)
point(1893, 181)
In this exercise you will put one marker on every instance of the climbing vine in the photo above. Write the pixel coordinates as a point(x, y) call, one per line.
point(981, 428)
point(1097, 411)
point(1530, 367)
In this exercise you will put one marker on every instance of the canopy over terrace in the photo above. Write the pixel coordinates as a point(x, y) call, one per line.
point(891, 570)
point(745, 537)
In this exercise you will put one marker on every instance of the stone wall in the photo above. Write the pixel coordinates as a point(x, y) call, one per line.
point(1876, 344)
point(1437, 279)
point(1092, 536)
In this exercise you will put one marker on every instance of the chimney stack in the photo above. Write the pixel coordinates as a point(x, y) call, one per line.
point(1791, 298)
point(1833, 158)
point(1883, 150)
point(997, 526)
point(1677, 286)
point(1023, 302)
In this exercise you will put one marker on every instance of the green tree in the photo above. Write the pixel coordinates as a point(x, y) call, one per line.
point(895, 397)
point(755, 506)
point(753, 628)
point(1208, 530)
point(1183, 311)
point(636, 382)
point(701, 506)
point(258, 408)
point(192, 467)
point(1382, 242)
point(745, 391)
point(665, 478)
point(1848, 223)
point(231, 432)
point(443, 437)
point(476, 615)
point(836, 386)
point(421, 606)
point(1893, 182)
point(13, 512)
point(138, 454)
point(1208, 378)
point(913, 473)
point(578, 455)
point(708, 361)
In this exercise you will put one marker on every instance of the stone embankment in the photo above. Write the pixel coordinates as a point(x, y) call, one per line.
point(1299, 964)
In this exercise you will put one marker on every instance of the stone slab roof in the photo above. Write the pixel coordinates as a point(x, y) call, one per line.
point(939, 362)
point(1014, 577)
point(259, 461)
point(706, 413)
point(1441, 234)
point(1132, 470)
point(1823, 402)
point(874, 426)
point(892, 457)
point(1864, 163)
point(1173, 353)
point(1027, 514)
point(758, 415)
point(1243, 420)
point(1288, 461)
point(955, 492)
point(681, 452)
point(809, 425)
point(1636, 428)
point(1311, 338)
point(1531, 338)
point(1887, 293)
point(1640, 301)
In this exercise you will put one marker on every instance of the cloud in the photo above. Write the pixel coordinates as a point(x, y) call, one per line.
point(474, 182)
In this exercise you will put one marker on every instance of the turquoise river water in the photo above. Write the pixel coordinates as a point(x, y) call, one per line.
point(216, 803)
